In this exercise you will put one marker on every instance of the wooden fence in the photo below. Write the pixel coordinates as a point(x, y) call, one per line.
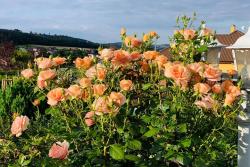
point(5, 83)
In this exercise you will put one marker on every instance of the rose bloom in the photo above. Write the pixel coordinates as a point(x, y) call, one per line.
point(100, 106)
point(151, 55)
point(27, 73)
point(19, 125)
point(229, 100)
point(58, 61)
point(212, 73)
point(123, 31)
point(47, 74)
point(144, 66)
point(118, 98)
point(59, 150)
point(146, 37)
point(85, 94)
point(83, 63)
point(179, 73)
point(42, 84)
point(55, 95)
point(75, 91)
point(126, 84)
point(226, 84)
point(135, 56)
point(206, 102)
point(202, 88)
point(85, 82)
point(153, 34)
point(89, 118)
point(99, 89)
point(101, 74)
point(121, 57)
point(217, 89)
point(188, 34)
point(161, 60)
point(92, 71)
point(234, 91)
point(206, 32)
point(196, 67)
point(36, 102)
point(106, 54)
point(44, 63)
point(132, 42)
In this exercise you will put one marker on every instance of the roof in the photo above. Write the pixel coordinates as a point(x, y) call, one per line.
point(227, 40)
point(242, 42)
point(224, 39)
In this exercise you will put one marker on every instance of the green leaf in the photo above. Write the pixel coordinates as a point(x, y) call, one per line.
point(146, 86)
point(151, 132)
point(186, 142)
point(182, 128)
point(116, 151)
point(146, 118)
point(134, 144)
point(132, 157)
point(203, 48)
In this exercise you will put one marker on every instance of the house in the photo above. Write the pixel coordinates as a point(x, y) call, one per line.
point(226, 58)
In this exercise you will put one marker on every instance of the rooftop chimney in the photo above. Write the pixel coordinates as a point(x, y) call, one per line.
point(233, 28)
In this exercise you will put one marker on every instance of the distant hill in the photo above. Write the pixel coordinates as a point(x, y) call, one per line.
point(22, 38)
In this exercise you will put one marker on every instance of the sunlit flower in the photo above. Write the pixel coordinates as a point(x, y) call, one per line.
point(44, 63)
point(89, 118)
point(55, 95)
point(19, 125)
point(99, 89)
point(217, 89)
point(27, 73)
point(58, 61)
point(118, 98)
point(75, 91)
point(126, 84)
point(202, 88)
point(59, 150)
point(46, 75)
point(150, 55)
point(83, 63)
point(100, 106)
point(106, 54)
point(188, 34)
point(212, 73)
point(85, 82)
point(207, 102)
point(229, 100)
point(121, 58)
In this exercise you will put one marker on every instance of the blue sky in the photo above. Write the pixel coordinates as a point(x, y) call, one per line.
point(101, 20)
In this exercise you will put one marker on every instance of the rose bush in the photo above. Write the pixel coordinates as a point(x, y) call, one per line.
point(126, 107)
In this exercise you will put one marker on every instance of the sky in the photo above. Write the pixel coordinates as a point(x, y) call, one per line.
point(101, 20)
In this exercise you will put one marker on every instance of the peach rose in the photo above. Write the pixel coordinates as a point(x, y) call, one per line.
point(123, 31)
point(83, 63)
point(19, 125)
point(150, 55)
point(163, 83)
point(188, 34)
point(146, 37)
point(58, 61)
point(126, 84)
point(118, 98)
point(212, 73)
point(153, 34)
point(101, 74)
point(27, 73)
point(46, 75)
point(202, 88)
point(229, 100)
point(206, 32)
point(59, 150)
point(217, 89)
point(234, 91)
point(75, 91)
point(132, 42)
point(121, 57)
point(36, 102)
point(55, 95)
point(85, 82)
point(106, 54)
point(196, 67)
point(226, 84)
point(207, 102)
point(85, 94)
point(99, 89)
point(179, 73)
point(92, 71)
point(44, 63)
point(144, 66)
point(89, 118)
point(135, 56)
point(42, 84)
point(101, 105)
point(161, 60)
